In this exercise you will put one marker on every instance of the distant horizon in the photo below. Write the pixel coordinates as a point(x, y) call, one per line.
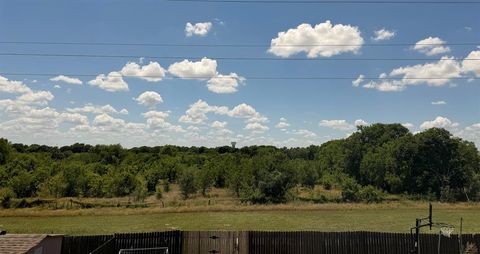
point(237, 143)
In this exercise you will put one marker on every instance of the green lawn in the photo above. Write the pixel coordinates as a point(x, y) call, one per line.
point(382, 219)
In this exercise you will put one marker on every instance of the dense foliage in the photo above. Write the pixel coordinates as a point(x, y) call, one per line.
point(377, 159)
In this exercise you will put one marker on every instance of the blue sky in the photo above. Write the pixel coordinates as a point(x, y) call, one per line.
point(212, 102)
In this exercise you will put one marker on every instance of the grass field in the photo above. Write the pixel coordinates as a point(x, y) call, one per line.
point(388, 217)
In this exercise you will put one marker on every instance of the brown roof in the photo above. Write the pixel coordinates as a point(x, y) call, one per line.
point(19, 244)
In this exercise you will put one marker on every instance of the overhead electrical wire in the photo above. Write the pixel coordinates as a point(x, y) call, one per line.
point(246, 77)
point(79, 43)
point(228, 58)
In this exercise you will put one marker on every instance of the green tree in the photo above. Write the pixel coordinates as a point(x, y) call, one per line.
point(5, 151)
point(55, 186)
point(187, 182)
point(140, 192)
point(6, 195)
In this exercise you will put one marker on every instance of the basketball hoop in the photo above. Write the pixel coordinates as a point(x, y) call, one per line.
point(445, 229)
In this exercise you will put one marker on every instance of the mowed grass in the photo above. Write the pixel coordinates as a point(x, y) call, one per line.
point(383, 217)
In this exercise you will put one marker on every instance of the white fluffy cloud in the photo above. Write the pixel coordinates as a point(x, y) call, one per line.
point(317, 41)
point(157, 120)
point(74, 118)
point(305, 133)
point(336, 124)
point(224, 83)
point(149, 99)
point(282, 124)
point(358, 81)
point(66, 79)
point(472, 65)
point(439, 102)
point(203, 69)
point(199, 29)
point(218, 125)
point(197, 112)
point(94, 109)
point(432, 74)
point(113, 82)
point(206, 69)
point(40, 97)
point(12, 86)
point(383, 34)
point(431, 46)
point(107, 120)
point(361, 122)
point(439, 122)
point(408, 125)
point(256, 127)
point(151, 72)
point(471, 133)
point(243, 111)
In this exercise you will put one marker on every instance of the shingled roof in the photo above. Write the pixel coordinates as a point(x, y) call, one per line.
point(20, 243)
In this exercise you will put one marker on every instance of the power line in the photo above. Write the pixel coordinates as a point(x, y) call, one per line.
point(246, 77)
point(78, 43)
point(323, 2)
point(231, 58)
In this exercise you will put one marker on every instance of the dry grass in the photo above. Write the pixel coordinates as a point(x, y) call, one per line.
point(221, 211)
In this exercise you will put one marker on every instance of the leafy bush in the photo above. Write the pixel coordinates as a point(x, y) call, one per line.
point(158, 191)
point(354, 192)
point(447, 194)
point(350, 190)
point(370, 194)
point(140, 192)
point(6, 195)
point(187, 182)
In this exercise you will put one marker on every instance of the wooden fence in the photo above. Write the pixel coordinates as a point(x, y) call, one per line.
point(258, 242)
point(111, 244)
point(198, 242)
point(83, 244)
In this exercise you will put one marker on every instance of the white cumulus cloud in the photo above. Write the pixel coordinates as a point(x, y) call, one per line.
point(199, 29)
point(439, 102)
point(439, 122)
point(432, 74)
point(203, 69)
point(383, 34)
point(113, 82)
point(224, 83)
point(151, 72)
point(12, 86)
point(336, 124)
point(66, 79)
point(40, 97)
point(472, 65)
point(317, 41)
point(149, 98)
point(256, 127)
point(431, 46)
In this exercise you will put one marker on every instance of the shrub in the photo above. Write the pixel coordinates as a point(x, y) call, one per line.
point(166, 185)
point(370, 194)
point(447, 194)
point(140, 192)
point(187, 183)
point(354, 192)
point(350, 190)
point(158, 191)
point(6, 195)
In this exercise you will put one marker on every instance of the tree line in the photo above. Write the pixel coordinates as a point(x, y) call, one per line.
point(374, 160)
